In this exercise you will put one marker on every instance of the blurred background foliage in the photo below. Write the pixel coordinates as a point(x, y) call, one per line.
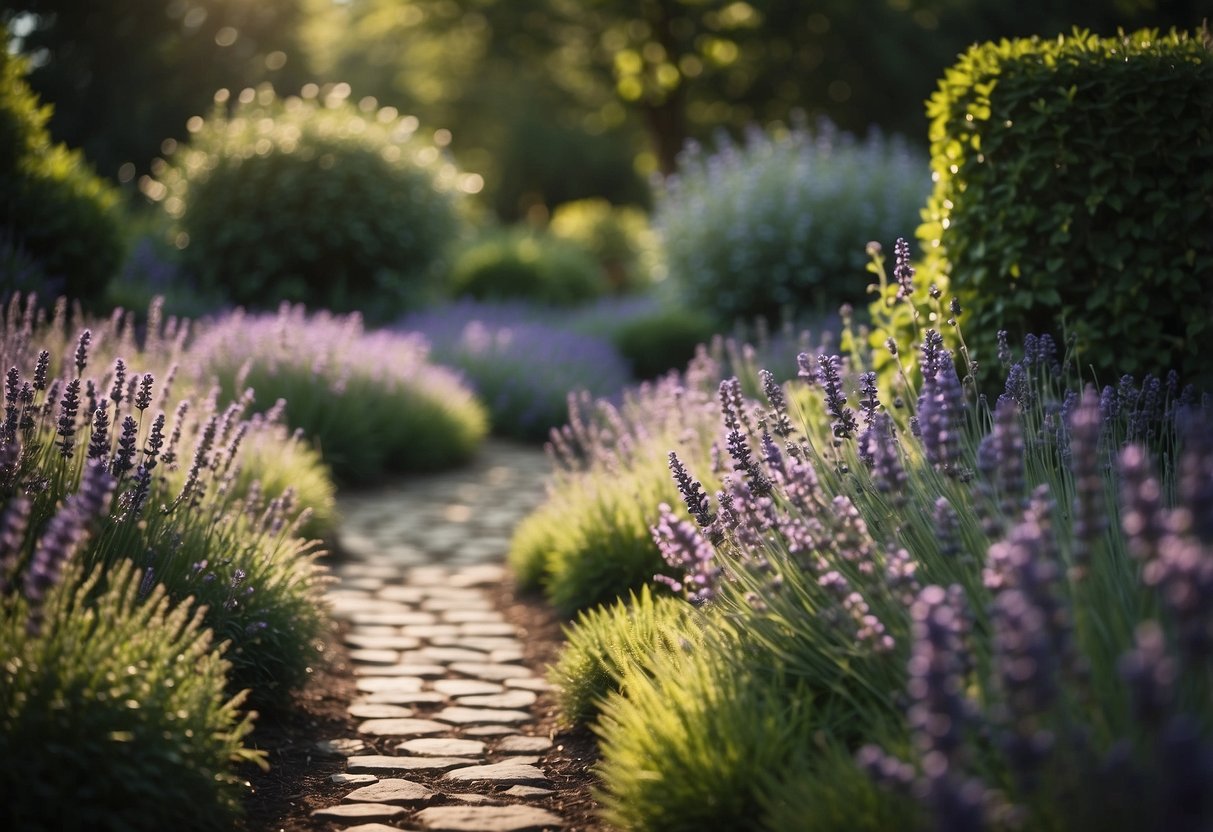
point(549, 100)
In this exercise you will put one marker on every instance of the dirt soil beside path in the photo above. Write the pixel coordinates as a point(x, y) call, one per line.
point(282, 799)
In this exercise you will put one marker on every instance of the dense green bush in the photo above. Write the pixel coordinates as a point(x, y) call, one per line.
point(779, 224)
point(605, 642)
point(518, 263)
point(618, 236)
point(113, 714)
point(55, 208)
point(1072, 190)
point(664, 340)
point(311, 200)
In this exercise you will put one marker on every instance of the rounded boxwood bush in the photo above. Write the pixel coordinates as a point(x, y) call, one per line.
point(664, 340)
point(521, 264)
point(311, 200)
point(779, 225)
point(56, 211)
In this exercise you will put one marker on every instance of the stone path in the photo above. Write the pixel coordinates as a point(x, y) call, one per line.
point(444, 703)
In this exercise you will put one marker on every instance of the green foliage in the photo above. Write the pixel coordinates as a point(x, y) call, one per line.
point(278, 461)
point(380, 405)
point(664, 340)
point(592, 538)
point(682, 748)
point(311, 200)
point(55, 208)
point(522, 264)
point(1071, 192)
point(605, 643)
point(619, 237)
point(113, 715)
point(777, 227)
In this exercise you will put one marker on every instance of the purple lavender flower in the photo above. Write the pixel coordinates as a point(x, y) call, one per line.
point(1090, 514)
point(66, 428)
point(82, 351)
point(124, 456)
point(147, 583)
point(1150, 674)
point(99, 443)
point(932, 353)
point(40, 370)
point(1004, 349)
point(1194, 485)
point(13, 525)
point(155, 440)
point(169, 457)
point(1142, 516)
point(686, 551)
point(779, 404)
point(903, 272)
point(1000, 458)
point(738, 447)
point(946, 523)
point(888, 474)
point(845, 425)
point(692, 493)
point(941, 408)
point(143, 399)
point(64, 534)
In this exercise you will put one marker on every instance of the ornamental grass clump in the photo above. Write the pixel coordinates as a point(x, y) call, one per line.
point(380, 405)
point(166, 494)
point(113, 712)
point(589, 541)
point(996, 613)
point(778, 224)
point(520, 362)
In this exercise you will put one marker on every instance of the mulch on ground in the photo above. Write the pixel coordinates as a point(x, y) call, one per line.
point(282, 799)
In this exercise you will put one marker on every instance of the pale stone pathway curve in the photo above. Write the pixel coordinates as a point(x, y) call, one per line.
point(443, 694)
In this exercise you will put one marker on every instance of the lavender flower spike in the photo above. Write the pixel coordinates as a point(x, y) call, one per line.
point(828, 374)
point(692, 493)
point(685, 550)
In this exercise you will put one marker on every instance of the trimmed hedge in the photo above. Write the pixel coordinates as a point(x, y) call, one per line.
point(1074, 189)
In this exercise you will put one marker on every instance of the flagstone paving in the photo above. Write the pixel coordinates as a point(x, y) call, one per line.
point(444, 708)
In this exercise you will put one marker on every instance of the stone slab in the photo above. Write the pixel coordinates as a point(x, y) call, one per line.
point(373, 641)
point(382, 710)
point(486, 628)
point(395, 684)
point(383, 763)
point(533, 683)
point(341, 747)
point(346, 812)
point(528, 791)
point(489, 731)
point(466, 687)
point(481, 716)
point(404, 697)
point(491, 672)
point(421, 671)
point(501, 774)
point(442, 747)
point(508, 699)
point(407, 728)
point(374, 655)
point(393, 790)
point(487, 819)
point(343, 779)
point(519, 744)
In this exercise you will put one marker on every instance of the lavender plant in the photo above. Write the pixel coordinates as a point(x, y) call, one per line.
point(520, 365)
point(780, 222)
point(166, 493)
point(383, 405)
point(113, 713)
point(942, 559)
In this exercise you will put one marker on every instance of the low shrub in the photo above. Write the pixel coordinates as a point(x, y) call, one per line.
point(606, 643)
point(382, 405)
point(56, 211)
point(618, 236)
point(113, 713)
point(522, 264)
point(778, 225)
point(310, 200)
point(520, 362)
point(1072, 179)
point(589, 541)
point(663, 341)
point(166, 494)
point(682, 749)
point(992, 612)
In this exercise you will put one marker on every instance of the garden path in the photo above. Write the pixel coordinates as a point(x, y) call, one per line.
point(446, 707)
